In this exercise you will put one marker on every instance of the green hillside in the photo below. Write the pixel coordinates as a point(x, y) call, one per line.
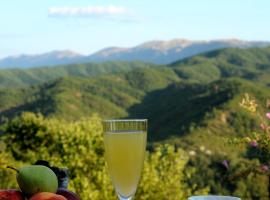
point(252, 64)
point(25, 77)
point(177, 111)
point(189, 114)
point(72, 98)
point(181, 105)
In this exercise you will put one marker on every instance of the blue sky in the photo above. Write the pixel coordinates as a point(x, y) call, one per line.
point(85, 26)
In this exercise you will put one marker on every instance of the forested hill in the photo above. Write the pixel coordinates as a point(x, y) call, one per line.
point(252, 64)
point(25, 77)
point(72, 98)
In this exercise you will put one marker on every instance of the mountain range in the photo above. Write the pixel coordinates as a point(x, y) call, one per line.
point(158, 52)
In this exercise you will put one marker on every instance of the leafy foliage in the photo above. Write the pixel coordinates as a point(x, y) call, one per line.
point(226, 175)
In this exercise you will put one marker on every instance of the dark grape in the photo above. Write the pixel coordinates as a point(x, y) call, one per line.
point(62, 176)
point(42, 162)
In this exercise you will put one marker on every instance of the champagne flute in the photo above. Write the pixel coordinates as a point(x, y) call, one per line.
point(125, 144)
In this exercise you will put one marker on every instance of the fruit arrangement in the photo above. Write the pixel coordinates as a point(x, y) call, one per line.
point(40, 182)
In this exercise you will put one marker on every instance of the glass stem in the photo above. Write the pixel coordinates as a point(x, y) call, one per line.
point(124, 198)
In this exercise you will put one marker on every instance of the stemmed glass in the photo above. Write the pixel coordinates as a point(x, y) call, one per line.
point(125, 144)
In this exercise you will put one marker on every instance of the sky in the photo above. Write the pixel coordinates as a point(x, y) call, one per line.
point(86, 26)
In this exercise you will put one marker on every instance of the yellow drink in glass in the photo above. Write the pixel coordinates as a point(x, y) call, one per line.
point(124, 152)
point(125, 156)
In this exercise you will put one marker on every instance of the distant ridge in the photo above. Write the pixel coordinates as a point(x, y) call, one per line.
point(156, 51)
point(38, 60)
point(165, 52)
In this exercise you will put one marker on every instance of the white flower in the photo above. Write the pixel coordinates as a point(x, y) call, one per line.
point(192, 153)
point(202, 148)
point(208, 152)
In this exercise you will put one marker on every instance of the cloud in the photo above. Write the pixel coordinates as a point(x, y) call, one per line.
point(90, 11)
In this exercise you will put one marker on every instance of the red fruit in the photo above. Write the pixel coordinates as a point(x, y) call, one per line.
point(68, 194)
point(11, 194)
point(47, 196)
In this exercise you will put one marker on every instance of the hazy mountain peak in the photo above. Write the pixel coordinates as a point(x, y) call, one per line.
point(61, 54)
point(164, 52)
point(165, 45)
point(110, 51)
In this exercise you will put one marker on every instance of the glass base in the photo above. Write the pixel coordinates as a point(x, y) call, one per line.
point(124, 198)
